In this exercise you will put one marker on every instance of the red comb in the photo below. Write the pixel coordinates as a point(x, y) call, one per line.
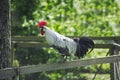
point(42, 23)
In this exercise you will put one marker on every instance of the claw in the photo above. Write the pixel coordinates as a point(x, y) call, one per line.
point(63, 59)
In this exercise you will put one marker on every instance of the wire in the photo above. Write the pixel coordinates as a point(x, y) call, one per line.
point(99, 68)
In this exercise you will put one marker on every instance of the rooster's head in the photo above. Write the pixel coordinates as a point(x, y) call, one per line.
point(41, 25)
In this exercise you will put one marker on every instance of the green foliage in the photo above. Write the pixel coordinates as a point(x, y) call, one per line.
point(79, 18)
point(68, 17)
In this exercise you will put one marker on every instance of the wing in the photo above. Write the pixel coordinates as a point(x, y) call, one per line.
point(62, 51)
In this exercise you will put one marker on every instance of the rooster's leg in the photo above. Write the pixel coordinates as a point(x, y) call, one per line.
point(63, 58)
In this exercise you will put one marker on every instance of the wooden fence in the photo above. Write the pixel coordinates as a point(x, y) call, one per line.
point(32, 41)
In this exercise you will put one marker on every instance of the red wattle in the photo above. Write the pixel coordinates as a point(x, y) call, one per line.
point(42, 32)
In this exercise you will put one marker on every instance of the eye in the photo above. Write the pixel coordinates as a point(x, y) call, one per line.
point(64, 39)
point(43, 29)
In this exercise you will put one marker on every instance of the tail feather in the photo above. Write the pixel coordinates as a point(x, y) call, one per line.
point(83, 44)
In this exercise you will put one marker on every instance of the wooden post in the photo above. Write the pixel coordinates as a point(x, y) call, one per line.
point(13, 53)
point(113, 69)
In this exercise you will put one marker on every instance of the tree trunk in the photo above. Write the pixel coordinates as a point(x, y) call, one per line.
point(5, 35)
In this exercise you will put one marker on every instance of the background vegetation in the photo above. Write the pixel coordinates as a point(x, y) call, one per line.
point(68, 17)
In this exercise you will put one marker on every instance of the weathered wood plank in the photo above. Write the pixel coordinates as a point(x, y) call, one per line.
point(34, 41)
point(27, 38)
point(36, 38)
point(10, 72)
point(113, 66)
point(32, 44)
point(66, 65)
point(106, 38)
point(7, 73)
point(44, 44)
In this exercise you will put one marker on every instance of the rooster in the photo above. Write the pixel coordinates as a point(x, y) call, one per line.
point(65, 45)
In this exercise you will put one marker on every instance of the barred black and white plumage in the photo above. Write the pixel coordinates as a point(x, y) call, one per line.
point(65, 45)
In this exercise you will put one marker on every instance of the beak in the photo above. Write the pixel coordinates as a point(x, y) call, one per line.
point(42, 30)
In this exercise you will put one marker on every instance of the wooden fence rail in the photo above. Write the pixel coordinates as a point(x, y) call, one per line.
point(41, 44)
point(35, 38)
point(11, 72)
point(32, 41)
